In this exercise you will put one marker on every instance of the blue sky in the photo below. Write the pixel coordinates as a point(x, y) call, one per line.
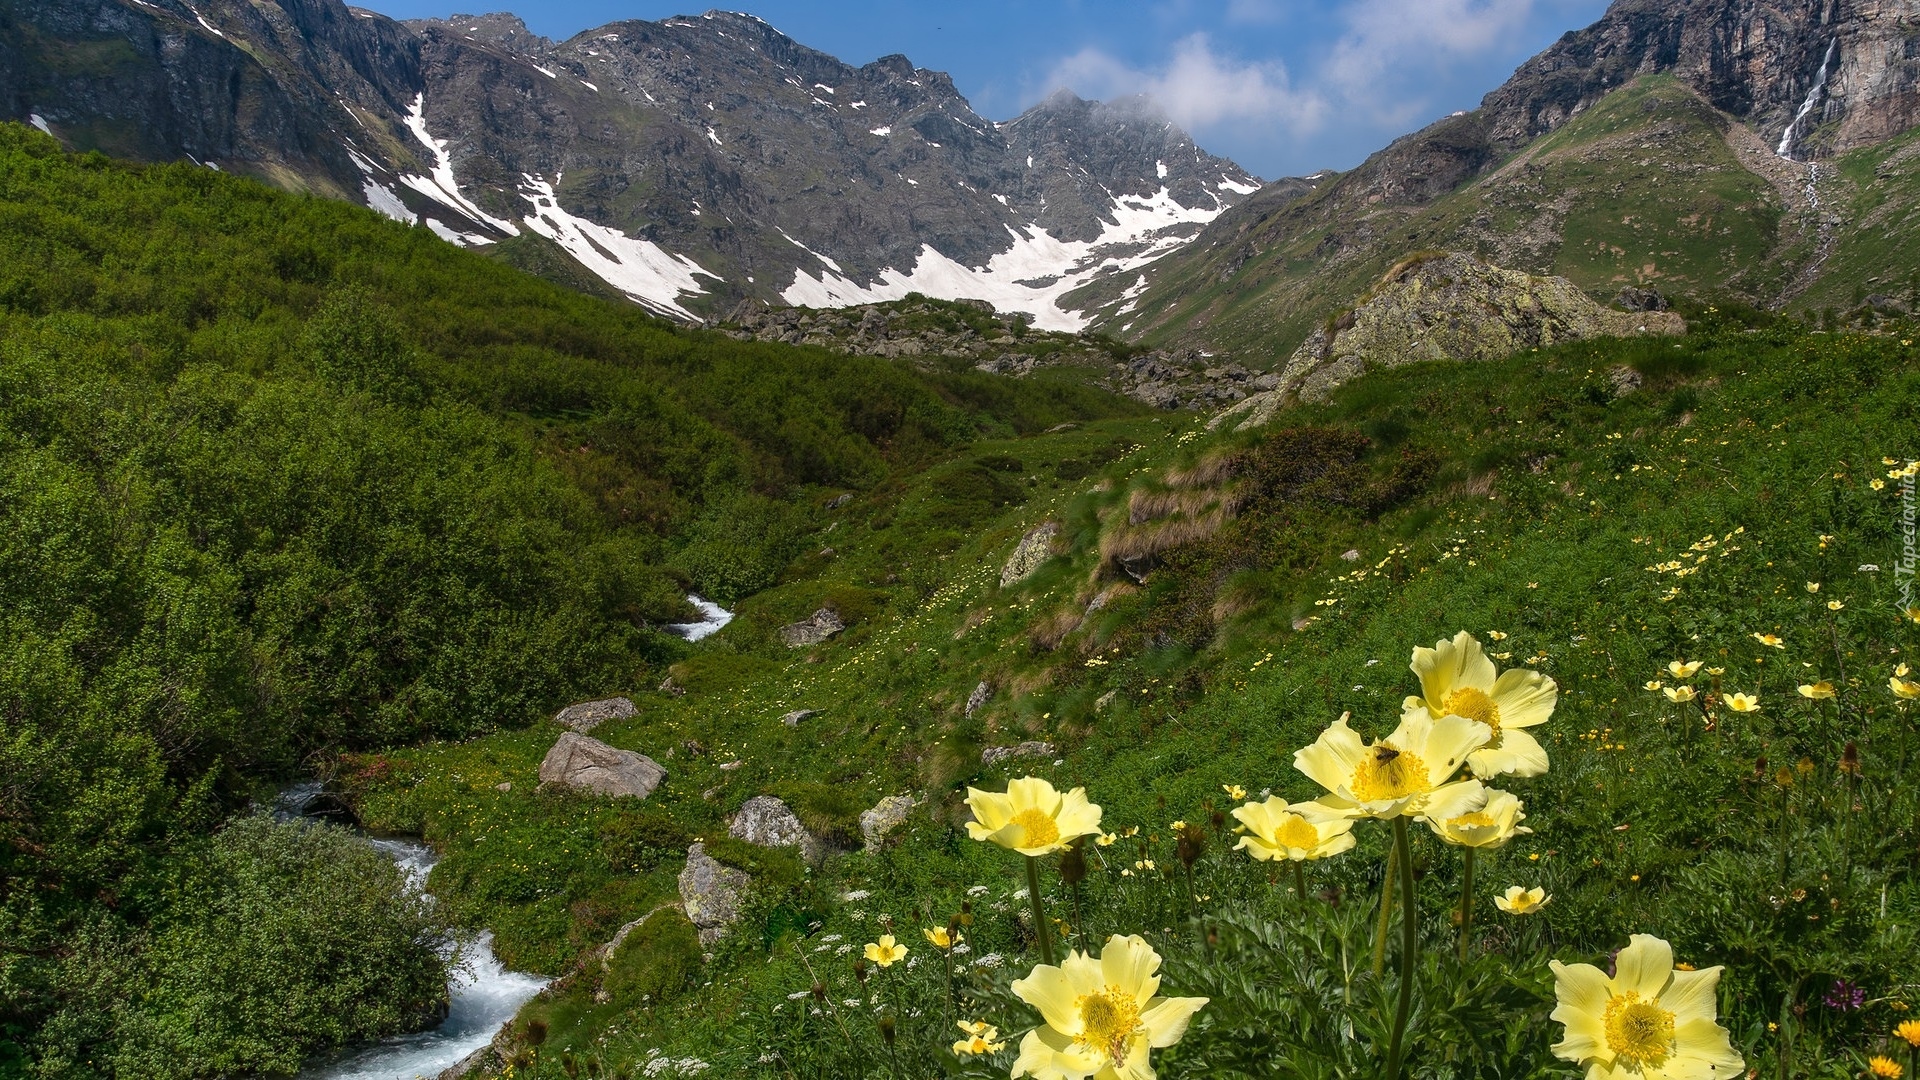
point(1284, 87)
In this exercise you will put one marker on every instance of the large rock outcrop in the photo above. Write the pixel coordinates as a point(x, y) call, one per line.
point(812, 630)
point(1035, 548)
point(581, 763)
point(1454, 307)
point(711, 893)
point(768, 822)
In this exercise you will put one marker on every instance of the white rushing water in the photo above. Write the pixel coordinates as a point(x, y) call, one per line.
point(1813, 99)
point(485, 995)
point(712, 618)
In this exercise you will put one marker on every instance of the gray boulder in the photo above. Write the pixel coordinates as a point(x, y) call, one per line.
point(813, 630)
point(994, 755)
point(1034, 548)
point(711, 893)
point(979, 697)
point(768, 822)
point(588, 715)
point(793, 718)
point(887, 815)
point(587, 764)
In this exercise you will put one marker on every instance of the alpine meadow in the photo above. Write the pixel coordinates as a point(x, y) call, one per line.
point(667, 554)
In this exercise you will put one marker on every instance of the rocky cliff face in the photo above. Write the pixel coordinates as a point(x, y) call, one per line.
point(689, 163)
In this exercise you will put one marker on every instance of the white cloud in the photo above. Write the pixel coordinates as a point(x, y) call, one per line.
point(1390, 46)
point(1197, 87)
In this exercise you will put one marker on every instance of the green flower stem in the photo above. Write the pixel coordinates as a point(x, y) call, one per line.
point(1386, 916)
point(1410, 944)
point(1466, 906)
point(1300, 879)
point(1040, 927)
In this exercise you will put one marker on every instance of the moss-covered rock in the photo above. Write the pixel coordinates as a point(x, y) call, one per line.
point(1452, 306)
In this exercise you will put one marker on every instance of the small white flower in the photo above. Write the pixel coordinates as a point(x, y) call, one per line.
point(828, 939)
point(798, 994)
point(857, 894)
point(977, 890)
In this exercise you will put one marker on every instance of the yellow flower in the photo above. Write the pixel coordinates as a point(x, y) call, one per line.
point(1474, 815)
point(1105, 839)
point(1519, 901)
point(1177, 826)
point(1884, 1068)
point(1457, 679)
point(939, 937)
point(1103, 1017)
point(1394, 776)
point(1819, 691)
point(1904, 689)
point(1683, 669)
point(1834, 605)
point(1770, 641)
point(885, 951)
point(1813, 586)
point(1679, 694)
point(1913, 613)
point(1234, 791)
point(1743, 702)
point(982, 1038)
point(1496, 635)
point(1278, 831)
point(1654, 684)
point(1910, 1031)
point(1877, 484)
point(1647, 1022)
point(1032, 818)
point(1901, 670)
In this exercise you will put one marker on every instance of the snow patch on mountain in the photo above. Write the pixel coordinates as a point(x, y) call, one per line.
point(1030, 276)
point(441, 187)
point(642, 269)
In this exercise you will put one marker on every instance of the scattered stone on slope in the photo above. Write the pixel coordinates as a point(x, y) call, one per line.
point(886, 816)
point(1623, 379)
point(587, 764)
point(768, 822)
point(711, 893)
point(793, 718)
point(1250, 412)
point(812, 630)
point(979, 697)
point(994, 755)
point(587, 715)
point(1034, 549)
point(1454, 307)
point(1634, 298)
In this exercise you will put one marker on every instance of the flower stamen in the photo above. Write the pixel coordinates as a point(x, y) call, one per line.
point(1640, 1033)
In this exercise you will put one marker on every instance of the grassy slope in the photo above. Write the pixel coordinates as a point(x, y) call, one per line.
point(1643, 188)
point(1747, 454)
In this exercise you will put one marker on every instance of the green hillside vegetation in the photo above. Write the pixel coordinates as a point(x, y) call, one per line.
point(282, 478)
point(1649, 187)
point(1590, 532)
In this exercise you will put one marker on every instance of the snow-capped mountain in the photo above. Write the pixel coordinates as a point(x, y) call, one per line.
point(689, 163)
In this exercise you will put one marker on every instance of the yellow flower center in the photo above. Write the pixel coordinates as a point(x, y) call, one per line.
point(1474, 705)
point(1476, 820)
point(1040, 828)
point(1386, 774)
point(1109, 1021)
point(1638, 1032)
point(1297, 832)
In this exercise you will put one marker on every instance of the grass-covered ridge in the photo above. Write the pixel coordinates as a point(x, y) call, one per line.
point(1594, 512)
point(282, 478)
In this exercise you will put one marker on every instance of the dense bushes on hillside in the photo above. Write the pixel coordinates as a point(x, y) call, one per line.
point(280, 477)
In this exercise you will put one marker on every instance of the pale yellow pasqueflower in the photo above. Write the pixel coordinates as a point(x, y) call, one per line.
point(1835, 605)
point(1032, 817)
point(1770, 641)
point(1275, 830)
point(886, 951)
point(1234, 791)
point(1683, 669)
point(1474, 815)
point(1813, 586)
point(1103, 1016)
point(1743, 702)
point(982, 1038)
point(1654, 684)
point(1396, 775)
point(1519, 901)
point(940, 937)
point(1457, 679)
point(1819, 691)
point(1648, 1021)
point(1679, 694)
point(1904, 689)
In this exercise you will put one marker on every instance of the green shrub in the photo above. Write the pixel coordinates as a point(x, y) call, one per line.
point(636, 840)
point(659, 958)
point(279, 941)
